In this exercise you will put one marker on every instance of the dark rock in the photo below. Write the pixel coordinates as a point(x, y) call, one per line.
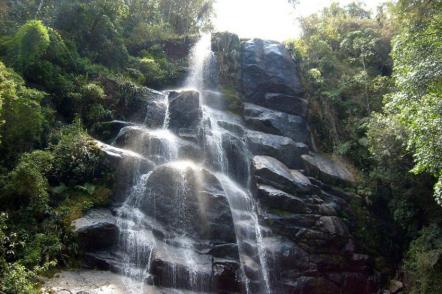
point(330, 171)
point(267, 67)
point(277, 123)
point(184, 110)
point(141, 105)
point(108, 131)
point(193, 194)
point(237, 158)
point(277, 199)
point(227, 48)
point(270, 171)
point(235, 128)
point(181, 268)
point(310, 285)
point(158, 145)
point(226, 276)
point(125, 164)
point(286, 103)
point(97, 230)
point(214, 99)
point(282, 148)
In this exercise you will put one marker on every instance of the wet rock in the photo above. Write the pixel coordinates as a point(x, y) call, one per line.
point(141, 105)
point(214, 99)
point(108, 131)
point(181, 268)
point(237, 158)
point(267, 67)
point(330, 171)
point(282, 148)
point(97, 230)
point(195, 195)
point(227, 276)
point(157, 145)
point(272, 172)
point(277, 123)
point(277, 199)
point(125, 164)
point(184, 110)
point(233, 127)
point(311, 285)
point(286, 103)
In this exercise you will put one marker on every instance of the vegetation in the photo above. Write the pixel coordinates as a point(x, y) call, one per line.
point(374, 86)
point(59, 63)
point(373, 82)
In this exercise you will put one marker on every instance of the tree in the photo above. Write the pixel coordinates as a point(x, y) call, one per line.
point(417, 103)
point(28, 45)
point(22, 116)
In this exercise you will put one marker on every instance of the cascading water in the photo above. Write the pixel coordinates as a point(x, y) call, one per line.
point(172, 238)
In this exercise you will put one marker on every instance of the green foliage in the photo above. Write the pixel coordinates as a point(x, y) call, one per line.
point(18, 280)
point(22, 116)
point(417, 102)
point(76, 155)
point(28, 44)
point(28, 185)
point(424, 261)
point(344, 60)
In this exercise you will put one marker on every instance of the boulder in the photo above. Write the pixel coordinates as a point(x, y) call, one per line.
point(108, 131)
point(157, 145)
point(226, 275)
point(275, 122)
point(97, 230)
point(286, 103)
point(331, 171)
point(214, 99)
point(237, 158)
point(141, 105)
point(194, 196)
point(277, 199)
point(267, 67)
point(282, 148)
point(126, 165)
point(181, 268)
point(272, 172)
point(184, 110)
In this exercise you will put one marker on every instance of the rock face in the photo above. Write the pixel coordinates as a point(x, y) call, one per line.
point(282, 148)
point(275, 122)
point(328, 170)
point(217, 200)
point(184, 110)
point(97, 230)
point(267, 67)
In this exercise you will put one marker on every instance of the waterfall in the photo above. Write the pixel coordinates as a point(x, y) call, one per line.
point(161, 222)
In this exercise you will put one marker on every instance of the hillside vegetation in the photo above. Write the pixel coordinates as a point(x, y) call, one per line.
point(373, 82)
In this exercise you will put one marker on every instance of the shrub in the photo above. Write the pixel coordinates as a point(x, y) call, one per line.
point(28, 44)
point(27, 185)
point(18, 280)
point(424, 261)
point(76, 156)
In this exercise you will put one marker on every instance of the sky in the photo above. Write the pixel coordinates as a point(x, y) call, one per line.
point(269, 19)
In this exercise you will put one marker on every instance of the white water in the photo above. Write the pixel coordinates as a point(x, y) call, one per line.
point(139, 244)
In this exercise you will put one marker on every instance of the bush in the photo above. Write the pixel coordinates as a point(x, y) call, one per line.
point(18, 280)
point(424, 261)
point(27, 185)
point(76, 156)
point(22, 117)
point(28, 44)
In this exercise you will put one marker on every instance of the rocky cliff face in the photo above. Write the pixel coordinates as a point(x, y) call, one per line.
point(214, 202)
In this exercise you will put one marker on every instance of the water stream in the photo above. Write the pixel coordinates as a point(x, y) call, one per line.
point(148, 235)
